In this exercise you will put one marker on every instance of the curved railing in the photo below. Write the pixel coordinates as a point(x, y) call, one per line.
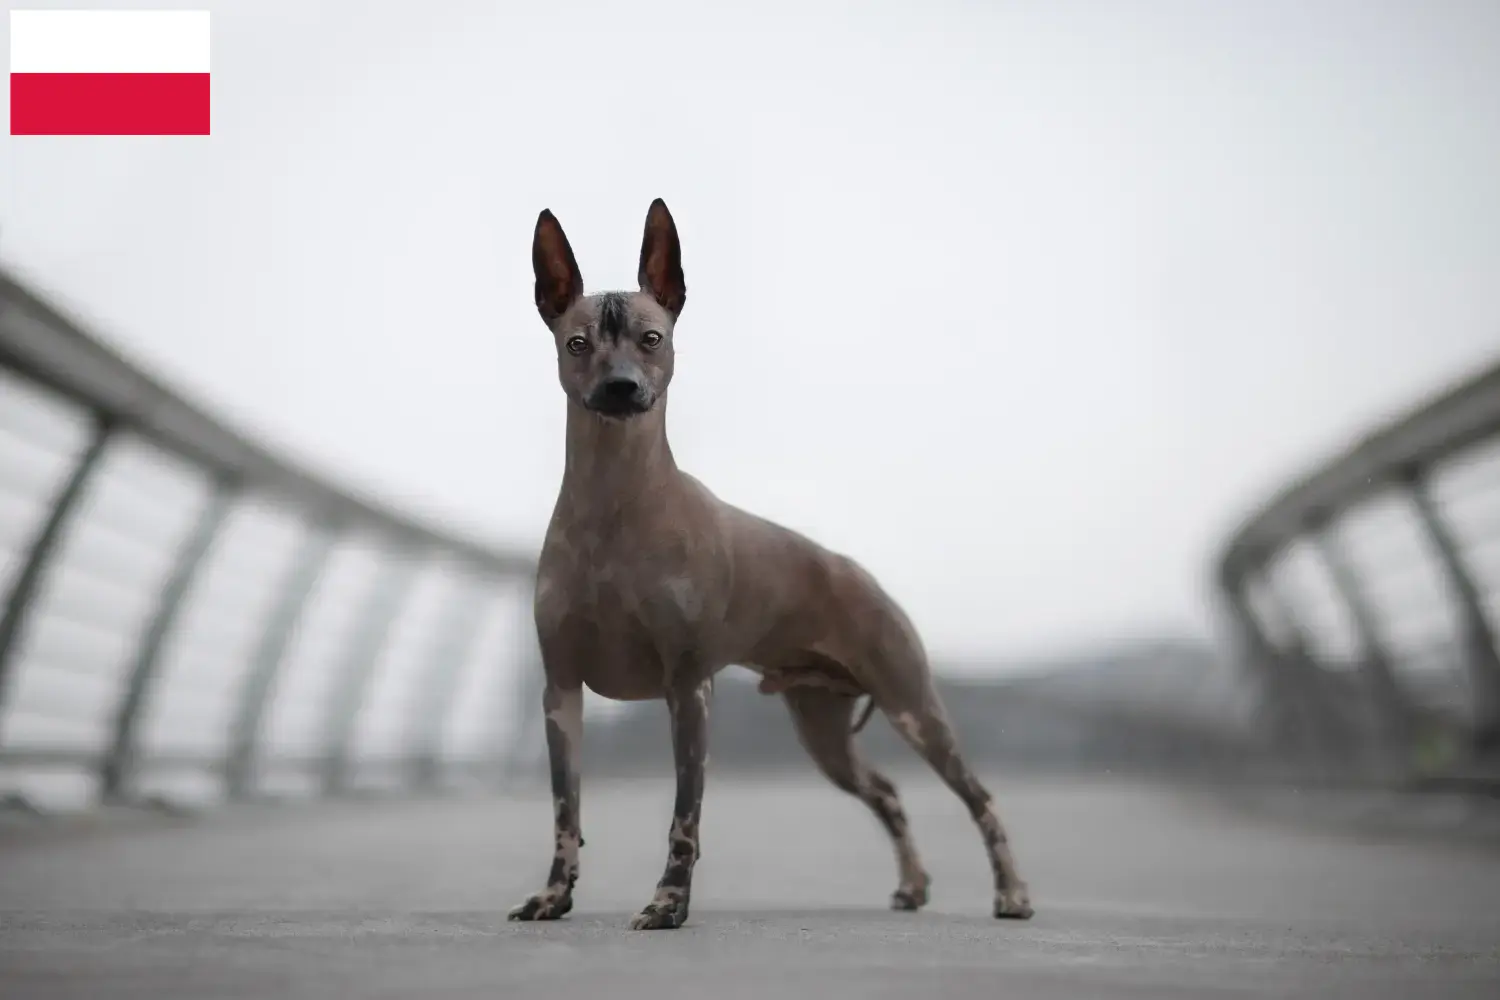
point(1366, 593)
point(185, 610)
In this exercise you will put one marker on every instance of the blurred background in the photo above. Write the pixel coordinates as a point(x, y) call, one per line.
point(1146, 352)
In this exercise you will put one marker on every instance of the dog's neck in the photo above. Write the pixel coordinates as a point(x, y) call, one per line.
point(611, 462)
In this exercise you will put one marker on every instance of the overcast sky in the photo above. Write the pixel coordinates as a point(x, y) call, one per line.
point(1022, 304)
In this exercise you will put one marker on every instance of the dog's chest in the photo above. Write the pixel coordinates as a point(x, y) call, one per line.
point(618, 611)
point(615, 600)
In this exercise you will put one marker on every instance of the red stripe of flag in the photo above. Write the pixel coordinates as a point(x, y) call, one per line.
point(109, 104)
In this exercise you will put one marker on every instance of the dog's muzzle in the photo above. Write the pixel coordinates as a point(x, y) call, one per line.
point(619, 396)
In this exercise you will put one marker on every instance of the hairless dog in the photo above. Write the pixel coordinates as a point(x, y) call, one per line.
point(648, 585)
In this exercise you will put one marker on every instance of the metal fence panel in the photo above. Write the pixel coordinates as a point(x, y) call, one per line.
point(181, 600)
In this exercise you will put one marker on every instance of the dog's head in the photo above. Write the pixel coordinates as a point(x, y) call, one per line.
point(614, 349)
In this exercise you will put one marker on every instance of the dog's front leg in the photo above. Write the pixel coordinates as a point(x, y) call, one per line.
point(688, 702)
point(564, 710)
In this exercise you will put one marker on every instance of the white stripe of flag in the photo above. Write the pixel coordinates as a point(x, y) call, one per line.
point(109, 41)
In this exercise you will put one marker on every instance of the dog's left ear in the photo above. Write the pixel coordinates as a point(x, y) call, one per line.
point(661, 260)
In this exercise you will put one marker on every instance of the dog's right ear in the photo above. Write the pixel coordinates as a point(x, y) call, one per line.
point(558, 281)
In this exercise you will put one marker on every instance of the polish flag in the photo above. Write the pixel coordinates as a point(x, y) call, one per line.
point(109, 72)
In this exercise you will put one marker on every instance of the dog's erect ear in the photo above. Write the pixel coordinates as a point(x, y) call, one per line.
point(558, 281)
point(661, 260)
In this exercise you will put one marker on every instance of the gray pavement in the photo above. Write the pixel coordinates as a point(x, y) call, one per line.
point(1141, 892)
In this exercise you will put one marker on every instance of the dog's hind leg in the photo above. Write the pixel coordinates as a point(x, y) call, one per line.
point(918, 714)
point(823, 723)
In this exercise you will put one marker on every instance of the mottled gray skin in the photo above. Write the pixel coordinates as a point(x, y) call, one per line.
point(649, 585)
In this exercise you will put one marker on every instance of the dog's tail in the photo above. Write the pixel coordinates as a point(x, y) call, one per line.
point(869, 711)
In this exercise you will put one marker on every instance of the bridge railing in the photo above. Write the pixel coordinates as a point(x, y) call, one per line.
point(1366, 595)
point(183, 607)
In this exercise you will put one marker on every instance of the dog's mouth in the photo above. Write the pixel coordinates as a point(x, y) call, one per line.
point(619, 408)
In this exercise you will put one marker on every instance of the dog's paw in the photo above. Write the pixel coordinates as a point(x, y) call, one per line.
point(549, 904)
point(911, 897)
point(1013, 904)
point(660, 915)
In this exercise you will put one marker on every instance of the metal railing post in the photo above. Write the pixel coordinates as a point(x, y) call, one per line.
point(526, 746)
point(265, 664)
point(1481, 656)
point(23, 591)
point(1391, 703)
point(1288, 724)
point(357, 669)
point(452, 646)
point(118, 765)
point(1307, 679)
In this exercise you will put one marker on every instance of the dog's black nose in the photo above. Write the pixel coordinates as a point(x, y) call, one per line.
point(619, 390)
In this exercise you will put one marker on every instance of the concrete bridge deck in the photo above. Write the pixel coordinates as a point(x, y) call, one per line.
point(1142, 892)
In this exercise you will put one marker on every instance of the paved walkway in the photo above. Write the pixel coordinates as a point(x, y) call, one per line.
point(1141, 893)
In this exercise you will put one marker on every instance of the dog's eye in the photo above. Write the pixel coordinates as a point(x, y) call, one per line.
point(577, 345)
point(652, 339)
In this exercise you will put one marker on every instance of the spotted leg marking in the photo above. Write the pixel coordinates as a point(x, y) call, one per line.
point(930, 734)
point(877, 792)
point(688, 705)
point(823, 723)
point(564, 712)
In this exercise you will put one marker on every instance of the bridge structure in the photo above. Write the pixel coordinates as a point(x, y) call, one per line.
point(1365, 596)
point(262, 737)
point(188, 613)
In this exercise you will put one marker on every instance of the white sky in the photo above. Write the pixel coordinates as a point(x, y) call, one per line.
point(1022, 304)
